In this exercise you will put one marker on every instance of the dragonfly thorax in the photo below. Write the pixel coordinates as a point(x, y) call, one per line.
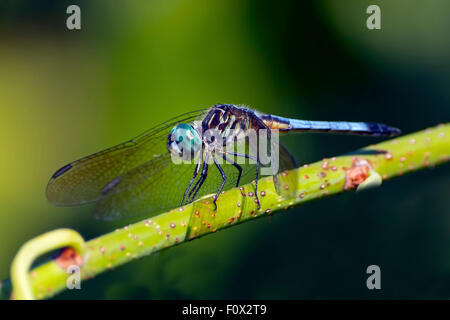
point(184, 142)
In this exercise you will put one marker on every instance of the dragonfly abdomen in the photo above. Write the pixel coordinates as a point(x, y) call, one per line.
point(342, 127)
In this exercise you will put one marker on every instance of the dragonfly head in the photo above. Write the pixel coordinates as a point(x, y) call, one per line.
point(184, 141)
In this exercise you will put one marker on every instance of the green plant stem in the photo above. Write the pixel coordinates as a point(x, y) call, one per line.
point(32, 250)
point(359, 170)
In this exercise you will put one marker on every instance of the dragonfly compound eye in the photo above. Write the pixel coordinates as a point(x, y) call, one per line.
point(184, 142)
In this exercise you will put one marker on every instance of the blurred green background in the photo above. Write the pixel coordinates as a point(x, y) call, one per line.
point(65, 94)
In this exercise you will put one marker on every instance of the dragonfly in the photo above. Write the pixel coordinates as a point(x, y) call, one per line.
point(141, 176)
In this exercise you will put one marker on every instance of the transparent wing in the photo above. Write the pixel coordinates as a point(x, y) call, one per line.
point(82, 180)
point(277, 157)
point(159, 185)
point(286, 182)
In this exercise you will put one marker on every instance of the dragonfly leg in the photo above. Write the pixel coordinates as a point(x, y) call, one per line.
point(238, 167)
point(224, 179)
point(199, 182)
point(197, 169)
point(256, 184)
point(257, 171)
point(195, 186)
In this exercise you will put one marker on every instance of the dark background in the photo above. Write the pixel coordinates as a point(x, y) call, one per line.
point(65, 94)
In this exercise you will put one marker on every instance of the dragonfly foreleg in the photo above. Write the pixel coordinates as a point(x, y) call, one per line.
point(199, 183)
point(224, 179)
point(257, 171)
point(197, 169)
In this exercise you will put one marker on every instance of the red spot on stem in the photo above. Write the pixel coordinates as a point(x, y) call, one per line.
point(357, 174)
point(67, 257)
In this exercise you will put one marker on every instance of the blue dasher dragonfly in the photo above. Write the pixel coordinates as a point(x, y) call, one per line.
point(140, 176)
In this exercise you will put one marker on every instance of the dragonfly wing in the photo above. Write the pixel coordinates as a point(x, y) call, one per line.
point(82, 180)
point(148, 188)
point(159, 185)
point(285, 179)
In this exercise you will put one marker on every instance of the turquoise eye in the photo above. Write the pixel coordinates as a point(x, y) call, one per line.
point(184, 141)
